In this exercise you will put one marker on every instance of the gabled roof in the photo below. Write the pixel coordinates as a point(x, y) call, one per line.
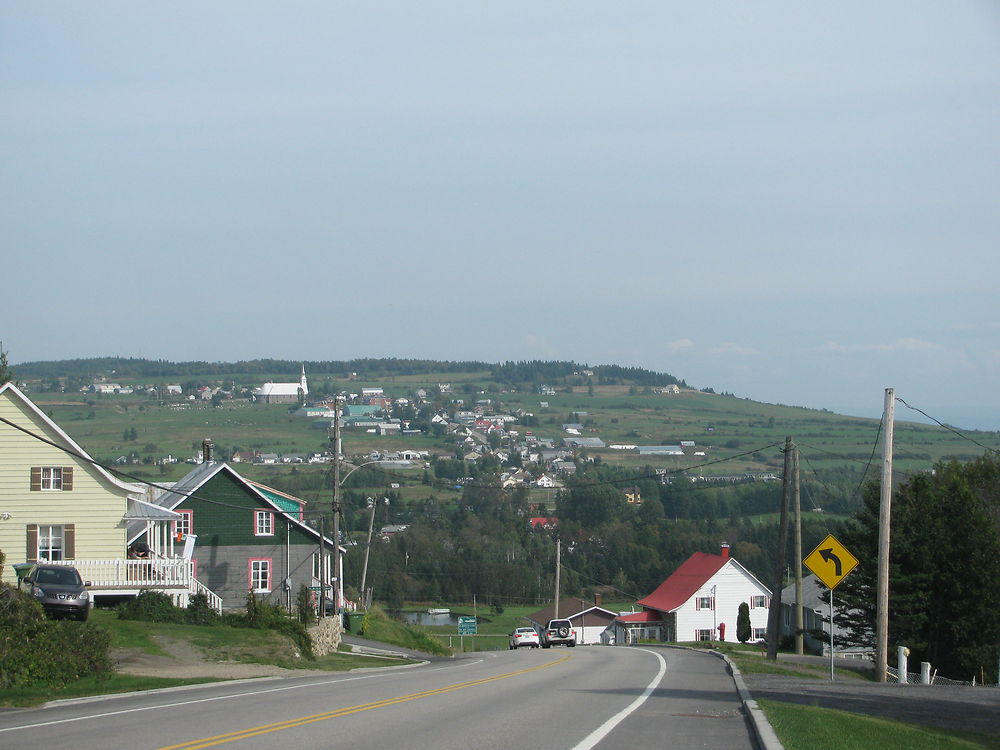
point(684, 582)
point(61, 437)
point(692, 575)
point(199, 476)
point(571, 609)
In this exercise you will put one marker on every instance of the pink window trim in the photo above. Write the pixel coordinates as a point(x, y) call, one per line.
point(270, 570)
point(269, 512)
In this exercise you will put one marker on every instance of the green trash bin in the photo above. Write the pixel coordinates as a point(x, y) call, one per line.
point(22, 570)
point(354, 622)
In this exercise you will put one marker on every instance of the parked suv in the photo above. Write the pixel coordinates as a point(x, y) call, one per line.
point(559, 633)
point(59, 589)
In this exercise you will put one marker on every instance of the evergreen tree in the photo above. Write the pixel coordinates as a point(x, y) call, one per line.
point(743, 629)
point(944, 564)
point(6, 374)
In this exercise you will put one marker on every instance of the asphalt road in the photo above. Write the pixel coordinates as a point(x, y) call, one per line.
point(580, 698)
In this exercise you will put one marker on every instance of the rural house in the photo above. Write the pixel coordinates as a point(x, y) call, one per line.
point(699, 602)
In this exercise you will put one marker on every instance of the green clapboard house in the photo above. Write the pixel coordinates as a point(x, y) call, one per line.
point(247, 537)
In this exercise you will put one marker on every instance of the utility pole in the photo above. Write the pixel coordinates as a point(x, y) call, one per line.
point(774, 613)
point(885, 508)
point(322, 570)
point(555, 613)
point(799, 623)
point(336, 505)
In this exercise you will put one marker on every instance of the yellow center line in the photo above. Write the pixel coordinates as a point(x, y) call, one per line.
point(303, 720)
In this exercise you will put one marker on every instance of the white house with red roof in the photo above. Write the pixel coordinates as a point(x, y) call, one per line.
point(699, 602)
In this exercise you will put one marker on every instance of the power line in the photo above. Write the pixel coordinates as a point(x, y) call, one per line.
point(947, 427)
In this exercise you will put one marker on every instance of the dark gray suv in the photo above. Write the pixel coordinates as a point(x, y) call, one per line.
point(59, 589)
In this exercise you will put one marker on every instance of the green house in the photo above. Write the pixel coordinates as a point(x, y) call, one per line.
point(247, 537)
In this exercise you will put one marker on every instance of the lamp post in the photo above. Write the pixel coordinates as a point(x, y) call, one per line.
point(715, 624)
point(337, 566)
point(371, 526)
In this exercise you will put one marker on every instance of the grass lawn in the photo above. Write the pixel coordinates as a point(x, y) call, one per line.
point(809, 727)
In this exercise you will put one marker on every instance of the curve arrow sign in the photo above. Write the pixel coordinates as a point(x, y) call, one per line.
point(827, 554)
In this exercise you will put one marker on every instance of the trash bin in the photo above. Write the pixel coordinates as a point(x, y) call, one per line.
point(354, 622)
point(22, 570)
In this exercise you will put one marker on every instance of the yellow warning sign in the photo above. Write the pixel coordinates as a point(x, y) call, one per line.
point(830, 562)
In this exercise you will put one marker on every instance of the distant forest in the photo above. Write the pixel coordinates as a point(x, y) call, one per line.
point(512, 373)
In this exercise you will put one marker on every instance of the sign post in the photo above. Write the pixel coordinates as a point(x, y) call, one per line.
point(830, 562)
point(466, 626)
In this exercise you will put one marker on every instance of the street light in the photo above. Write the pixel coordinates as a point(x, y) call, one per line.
point(371, 526)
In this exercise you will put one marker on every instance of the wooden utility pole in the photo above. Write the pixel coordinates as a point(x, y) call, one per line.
point(555, 614)
point(799, 622)
point(774, 613)
point(336, 505)
point(884, 513)
point(322, 570)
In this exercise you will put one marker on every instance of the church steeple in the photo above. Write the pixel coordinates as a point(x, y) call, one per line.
point(302, 382)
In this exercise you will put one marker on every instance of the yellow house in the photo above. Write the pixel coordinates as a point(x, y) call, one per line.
point(55, 503)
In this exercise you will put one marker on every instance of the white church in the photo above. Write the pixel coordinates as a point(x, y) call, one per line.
point(283, 393)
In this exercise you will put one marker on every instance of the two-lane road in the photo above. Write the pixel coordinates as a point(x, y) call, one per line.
point(560, 698)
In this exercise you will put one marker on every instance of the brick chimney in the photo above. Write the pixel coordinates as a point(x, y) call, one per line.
point(724, 551)
point(598, 598)
point(207, 450)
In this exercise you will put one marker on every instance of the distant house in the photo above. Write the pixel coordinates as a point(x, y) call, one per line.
point(699, 602)
point(590, 620)
point(660, 450)
point(547, 482)
point(543, 523)
point(632, 495)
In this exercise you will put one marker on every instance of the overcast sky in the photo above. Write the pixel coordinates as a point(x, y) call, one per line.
point(793, 202)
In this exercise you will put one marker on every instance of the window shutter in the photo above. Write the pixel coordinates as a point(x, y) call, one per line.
point(69, 541)
point(67, 478)
point(31, 547)
point(697, 602)
point(36, 479)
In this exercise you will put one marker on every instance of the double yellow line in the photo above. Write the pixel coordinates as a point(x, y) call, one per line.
point(303, 720)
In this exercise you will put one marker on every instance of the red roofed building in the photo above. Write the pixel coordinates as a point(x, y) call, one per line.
point(543, 523)
point(699, 602)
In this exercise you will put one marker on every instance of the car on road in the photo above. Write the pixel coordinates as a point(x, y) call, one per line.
point(59, 589)
point(523, 637)
point(559, 633)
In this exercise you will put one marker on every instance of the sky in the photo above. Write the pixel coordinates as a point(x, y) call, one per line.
point(793, 203)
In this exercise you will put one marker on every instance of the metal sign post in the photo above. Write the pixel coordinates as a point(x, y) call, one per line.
point(830, 562)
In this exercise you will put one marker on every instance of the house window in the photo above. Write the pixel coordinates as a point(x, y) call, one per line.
point(704, 602)
point(51, 478)
point(758, 602)
point(184, 525)
point(51, 543)
point(260, 575)
point(760, 634)
point(263, 523)
point(703, 635)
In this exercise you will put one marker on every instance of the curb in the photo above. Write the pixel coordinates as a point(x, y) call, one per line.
point(763, 731)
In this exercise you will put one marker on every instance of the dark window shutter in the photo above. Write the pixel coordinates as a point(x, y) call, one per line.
point(69, 541)
point(67, 478)
point(31, 548)
point(36, 478)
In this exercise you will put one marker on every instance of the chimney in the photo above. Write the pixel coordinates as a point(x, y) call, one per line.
point(598, 598)
point(724, 551)
point(207, 450)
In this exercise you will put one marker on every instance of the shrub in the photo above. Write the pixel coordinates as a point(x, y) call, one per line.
point(151, 606)
point(200, 612)
point(267, 616)
point(304, 605)
point(36, 651)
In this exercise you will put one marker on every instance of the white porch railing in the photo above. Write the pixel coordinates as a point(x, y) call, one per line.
point(174, 577)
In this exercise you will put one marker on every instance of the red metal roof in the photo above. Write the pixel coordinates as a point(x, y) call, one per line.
point(644, 616)
point(684, 582)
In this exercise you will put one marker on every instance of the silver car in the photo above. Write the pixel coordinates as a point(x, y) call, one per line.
point(59, 589)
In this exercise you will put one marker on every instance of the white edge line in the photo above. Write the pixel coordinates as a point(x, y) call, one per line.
point(605, 729)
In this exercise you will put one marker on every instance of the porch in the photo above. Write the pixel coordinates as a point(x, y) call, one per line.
point(128, 577)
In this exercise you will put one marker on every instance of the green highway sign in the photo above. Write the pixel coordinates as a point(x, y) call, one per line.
point(466, 625)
